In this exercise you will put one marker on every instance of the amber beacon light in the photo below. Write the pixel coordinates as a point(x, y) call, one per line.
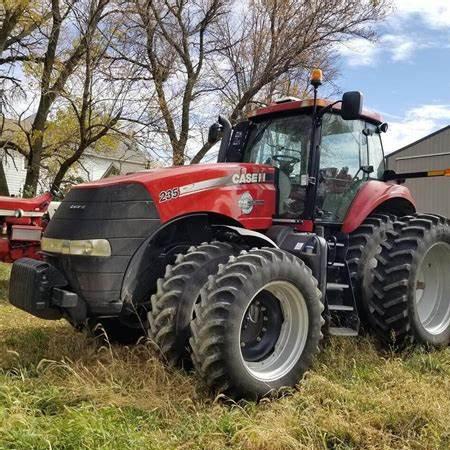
point(316, 77)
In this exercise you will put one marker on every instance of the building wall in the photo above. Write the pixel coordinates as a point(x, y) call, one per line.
point(15, 172)
point(94, 168)
point(431, 194)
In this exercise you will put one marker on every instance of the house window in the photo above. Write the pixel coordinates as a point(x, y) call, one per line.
point(112, 171)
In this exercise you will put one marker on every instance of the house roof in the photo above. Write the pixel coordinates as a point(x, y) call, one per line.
point(429, 136)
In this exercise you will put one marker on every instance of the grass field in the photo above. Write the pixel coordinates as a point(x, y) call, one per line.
point(58, 391)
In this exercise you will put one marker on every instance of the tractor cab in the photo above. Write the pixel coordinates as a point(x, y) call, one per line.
point(323, 152)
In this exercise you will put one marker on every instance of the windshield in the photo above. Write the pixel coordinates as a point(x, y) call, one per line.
point(282, 142)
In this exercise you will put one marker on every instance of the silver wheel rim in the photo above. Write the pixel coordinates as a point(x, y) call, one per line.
point(432, 295)
point(292, 337)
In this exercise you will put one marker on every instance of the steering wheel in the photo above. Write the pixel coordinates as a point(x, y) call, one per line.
point(287, 159)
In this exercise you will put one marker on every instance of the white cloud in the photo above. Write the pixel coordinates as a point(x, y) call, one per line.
point(359, 52)
point(397, 40)
point(417, 123)
point(400, 47)
point(435, 13)
point(397, 47)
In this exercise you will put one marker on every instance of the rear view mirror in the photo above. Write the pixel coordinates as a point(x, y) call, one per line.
point(352, 104)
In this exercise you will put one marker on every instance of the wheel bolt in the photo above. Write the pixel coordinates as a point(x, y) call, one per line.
point(242, 344)
point(258, 339)
point(263, 308)
point(264, 329)
point(265, 318)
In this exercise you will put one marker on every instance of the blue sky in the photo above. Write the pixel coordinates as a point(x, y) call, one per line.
point(405, 75)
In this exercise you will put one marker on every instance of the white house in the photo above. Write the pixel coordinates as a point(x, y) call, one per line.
point(123, 159)
point(92, 166)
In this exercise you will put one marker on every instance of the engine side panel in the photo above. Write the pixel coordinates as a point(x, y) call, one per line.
point(213, 188)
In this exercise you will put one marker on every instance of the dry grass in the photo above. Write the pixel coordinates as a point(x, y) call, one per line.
point(58, 391)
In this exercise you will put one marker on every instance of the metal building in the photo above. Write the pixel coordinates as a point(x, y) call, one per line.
point(429, 153)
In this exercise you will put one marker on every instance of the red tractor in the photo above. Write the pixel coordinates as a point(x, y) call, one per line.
point(241, 266)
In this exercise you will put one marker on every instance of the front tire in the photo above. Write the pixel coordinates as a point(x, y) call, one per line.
point(177, 292)
point(411, 298)
point(258, 325)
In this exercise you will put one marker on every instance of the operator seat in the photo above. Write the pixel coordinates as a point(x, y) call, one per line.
point(285, 188)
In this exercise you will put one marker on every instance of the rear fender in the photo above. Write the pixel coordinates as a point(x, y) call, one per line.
point(378, 196)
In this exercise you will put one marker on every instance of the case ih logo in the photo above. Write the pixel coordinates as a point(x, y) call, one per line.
point(214, 183)
point(246, 178)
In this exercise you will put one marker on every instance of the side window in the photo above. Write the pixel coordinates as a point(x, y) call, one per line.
point(343, 152)
point(344, 146)
point(375, 151)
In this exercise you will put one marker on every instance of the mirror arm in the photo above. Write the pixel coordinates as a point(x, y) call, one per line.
point(327, 109)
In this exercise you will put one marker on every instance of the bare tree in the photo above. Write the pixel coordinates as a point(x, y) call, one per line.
point(98, 103)
point(60, 60)
point(170, 42)
point(270, 42)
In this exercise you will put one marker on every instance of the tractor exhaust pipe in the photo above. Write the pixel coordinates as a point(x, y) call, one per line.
point(226, 129)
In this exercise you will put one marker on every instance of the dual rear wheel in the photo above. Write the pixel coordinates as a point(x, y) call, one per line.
point(410, 301)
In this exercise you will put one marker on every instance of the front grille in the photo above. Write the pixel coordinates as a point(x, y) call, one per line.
point(125, 215)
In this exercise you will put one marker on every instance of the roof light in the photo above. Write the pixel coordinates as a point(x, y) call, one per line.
point(316, 77)
point(287, 100)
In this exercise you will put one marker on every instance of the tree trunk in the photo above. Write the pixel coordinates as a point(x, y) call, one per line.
point(201, 153)
point(34, 166)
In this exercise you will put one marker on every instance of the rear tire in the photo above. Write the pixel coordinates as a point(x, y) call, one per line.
point(364, 246)
point(177, 292)
point(258, 325)
point(411, 297)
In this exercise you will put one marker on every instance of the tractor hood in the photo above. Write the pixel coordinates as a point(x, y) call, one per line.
point(241, 191)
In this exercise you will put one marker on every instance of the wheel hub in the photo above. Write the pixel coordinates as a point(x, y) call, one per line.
point(274, 331)
point(433, 289)
point(261, 327)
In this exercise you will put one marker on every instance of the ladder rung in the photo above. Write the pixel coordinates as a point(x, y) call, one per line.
point(342, 331)
point(340, 308)
point(337, 244)
point(337, 286)
point(338, 264)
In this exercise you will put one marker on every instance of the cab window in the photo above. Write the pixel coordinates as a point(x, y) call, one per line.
point(375, 151)
point(344, 152)
point(284, 143)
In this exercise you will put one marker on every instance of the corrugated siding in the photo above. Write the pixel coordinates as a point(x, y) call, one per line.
point(431, 194)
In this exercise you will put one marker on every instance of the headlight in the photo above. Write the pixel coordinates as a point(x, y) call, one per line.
point(87, 247)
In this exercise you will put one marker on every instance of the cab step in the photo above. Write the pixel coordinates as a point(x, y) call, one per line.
point(337, 286)
point(342, 331)
point(337, 264)
point(340, 307)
